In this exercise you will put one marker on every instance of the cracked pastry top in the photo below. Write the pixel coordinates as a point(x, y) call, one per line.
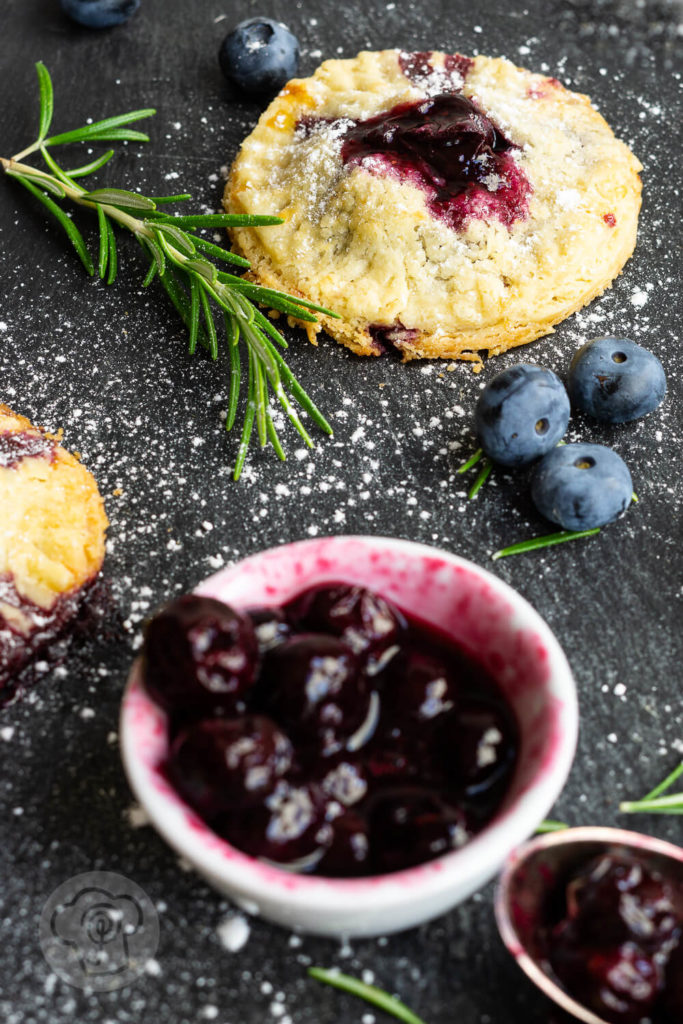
point(52, 533)
point(442, 205)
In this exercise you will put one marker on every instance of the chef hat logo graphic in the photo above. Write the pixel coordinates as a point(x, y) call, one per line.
point(98, 931)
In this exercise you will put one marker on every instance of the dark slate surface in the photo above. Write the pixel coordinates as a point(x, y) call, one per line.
point(110, 367)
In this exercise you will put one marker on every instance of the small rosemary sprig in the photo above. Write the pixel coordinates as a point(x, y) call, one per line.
point(547, 540)
point(654, 802)
point(370, 993)
point(183, 263)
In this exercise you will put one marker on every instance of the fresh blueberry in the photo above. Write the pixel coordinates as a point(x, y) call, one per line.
point(581, 486)
point(615, 380)
point(259, 55)
point(99, 13)
point(521, 414)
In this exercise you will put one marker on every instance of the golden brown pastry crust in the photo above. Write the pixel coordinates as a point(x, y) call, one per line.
point(52, 518)
point(367, 246)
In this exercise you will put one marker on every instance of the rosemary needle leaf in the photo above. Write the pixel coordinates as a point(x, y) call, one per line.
point(118, 135)
point(113, 255)
point(97, 129)
point(370, 993)
point(203, 268)
point(246, 429)
point(472, 461)
point(180, 238)
point(274, 439)
point(665, 783)
point(217, 252)
point(549, 825)
point(179, 198)
point(104, 242)
point(672, 804)
point(260, 398)
point(46, 100)
point(654, 802)
point(150, 275)
point(120, 197)
point(302, 398)
point(72, 231)
point(482, 477)
point(232, 332)
point(194, 313)
point(249, 220)
point(54, 166)
point(205, 220)
point(94, 165)
point(208, 319)
point(547, 541)
point(47, 184)
point(265, 325)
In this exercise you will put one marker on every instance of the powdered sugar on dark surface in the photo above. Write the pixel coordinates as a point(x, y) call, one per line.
point(110, 366)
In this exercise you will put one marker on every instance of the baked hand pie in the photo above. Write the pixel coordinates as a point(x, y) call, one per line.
point(52, 532)
point(442, 205)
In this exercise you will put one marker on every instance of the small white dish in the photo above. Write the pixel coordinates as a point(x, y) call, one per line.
point(492, 622)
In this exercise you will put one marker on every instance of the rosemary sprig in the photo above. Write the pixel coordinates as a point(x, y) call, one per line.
point(370, 993)
point(654, 802)
point(546, 541)
point(182, 261)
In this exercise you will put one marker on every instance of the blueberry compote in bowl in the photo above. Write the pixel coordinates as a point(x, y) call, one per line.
point(594, 916)
point(349, 735)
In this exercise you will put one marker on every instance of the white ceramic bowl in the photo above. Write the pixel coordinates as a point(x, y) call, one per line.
point(491, 622)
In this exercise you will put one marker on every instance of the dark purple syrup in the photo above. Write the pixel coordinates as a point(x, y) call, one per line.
point(376, 745)
point(22, 445)
point(450, 150)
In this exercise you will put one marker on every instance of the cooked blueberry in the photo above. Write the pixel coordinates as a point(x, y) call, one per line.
point(521, 414)
point(348, 854)
point(619, 983)
point(290, 827)
point(478, 749)
point(615, 380)
point(411, 825)
point(259, 55)
point(312, 686)
point(615, 896)
point(99, 13)
point(199, 655)
point(228, 764)
point(419, 688)
point(581, 486)
point(271, 627)
point(363, 620)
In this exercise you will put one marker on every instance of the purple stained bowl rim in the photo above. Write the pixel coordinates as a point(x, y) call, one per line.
point(142, 728)
point(588, 835)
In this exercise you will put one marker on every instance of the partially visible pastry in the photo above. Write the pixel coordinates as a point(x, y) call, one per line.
point(52, 534)
point(443, 206)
